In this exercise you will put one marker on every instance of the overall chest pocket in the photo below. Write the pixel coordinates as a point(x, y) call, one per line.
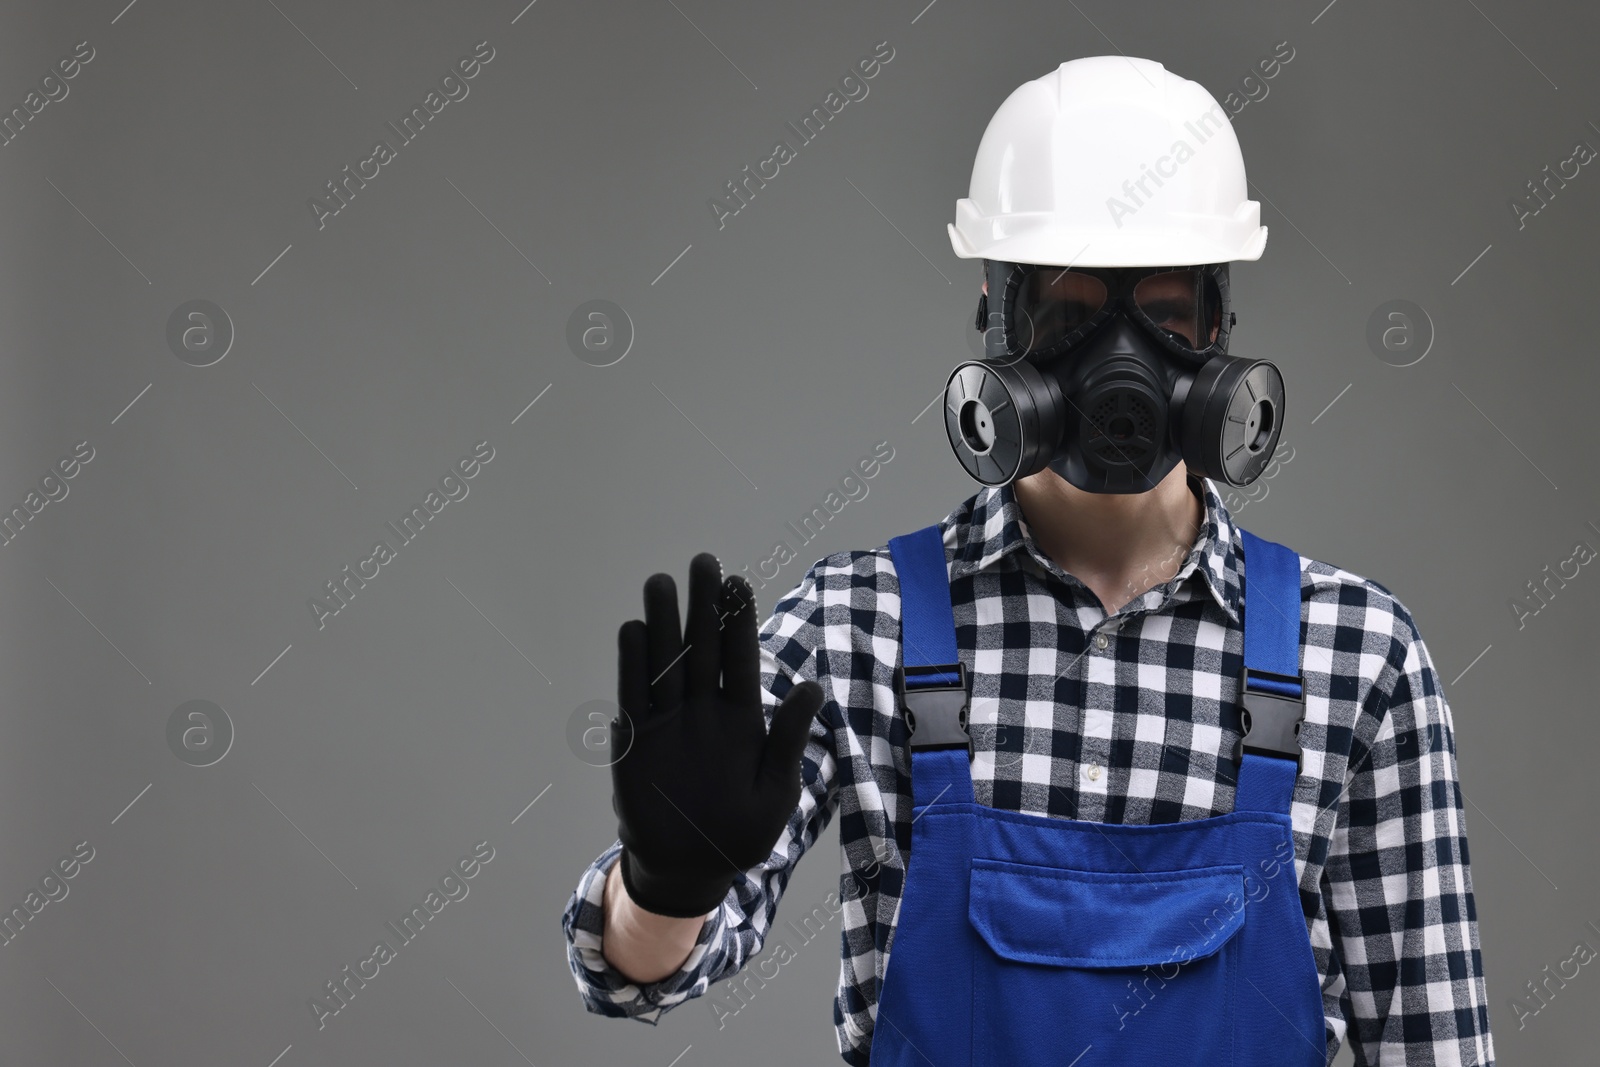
point(1140, 968)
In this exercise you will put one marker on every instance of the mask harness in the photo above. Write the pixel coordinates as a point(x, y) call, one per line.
point(1110, 376)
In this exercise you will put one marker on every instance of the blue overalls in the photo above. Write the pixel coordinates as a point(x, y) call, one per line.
point(1026, 940)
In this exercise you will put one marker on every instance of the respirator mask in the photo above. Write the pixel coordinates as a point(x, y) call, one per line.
point(1110, 376)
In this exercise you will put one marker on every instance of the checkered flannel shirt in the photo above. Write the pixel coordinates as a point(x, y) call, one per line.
point(1122, 719)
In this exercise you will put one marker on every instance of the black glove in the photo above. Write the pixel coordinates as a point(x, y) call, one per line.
point(702, 791)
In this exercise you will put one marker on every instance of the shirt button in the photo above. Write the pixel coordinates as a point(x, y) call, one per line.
point(1100, 641)
point(1093, 772)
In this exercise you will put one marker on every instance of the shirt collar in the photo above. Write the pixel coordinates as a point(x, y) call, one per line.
point(990, 525)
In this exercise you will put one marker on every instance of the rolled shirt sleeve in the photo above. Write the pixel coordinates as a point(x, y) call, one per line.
point(1399, 883)
point(734, 932)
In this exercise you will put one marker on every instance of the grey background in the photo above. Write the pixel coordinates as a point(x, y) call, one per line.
point(431, 712)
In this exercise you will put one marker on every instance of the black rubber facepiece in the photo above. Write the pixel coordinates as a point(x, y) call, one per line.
point(1111, 377)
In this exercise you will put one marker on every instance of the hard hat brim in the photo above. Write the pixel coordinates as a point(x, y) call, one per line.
point(1035, 239)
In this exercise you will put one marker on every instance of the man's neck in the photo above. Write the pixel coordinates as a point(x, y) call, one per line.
point(1118, 544)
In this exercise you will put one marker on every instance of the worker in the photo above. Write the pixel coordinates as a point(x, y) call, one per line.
point(1118, 781)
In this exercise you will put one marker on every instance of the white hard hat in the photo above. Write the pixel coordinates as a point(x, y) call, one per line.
point(1109, 161)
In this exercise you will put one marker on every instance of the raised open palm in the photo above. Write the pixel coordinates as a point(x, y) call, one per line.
point(702, 790)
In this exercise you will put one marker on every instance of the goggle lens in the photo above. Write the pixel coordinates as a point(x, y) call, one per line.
point(1184, 302)
point(1052, 304)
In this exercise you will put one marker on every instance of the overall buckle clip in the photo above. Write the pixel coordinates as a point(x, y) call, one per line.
point(1270, 722)
point(935, 714)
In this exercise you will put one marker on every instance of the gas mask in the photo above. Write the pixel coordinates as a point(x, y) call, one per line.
point(1110, 376)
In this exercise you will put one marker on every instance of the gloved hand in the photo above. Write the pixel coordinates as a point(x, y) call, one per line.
point(702, 791)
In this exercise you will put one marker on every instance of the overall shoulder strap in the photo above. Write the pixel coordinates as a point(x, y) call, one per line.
point(931, 683)
point(927, 622)
point(1271, 687)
